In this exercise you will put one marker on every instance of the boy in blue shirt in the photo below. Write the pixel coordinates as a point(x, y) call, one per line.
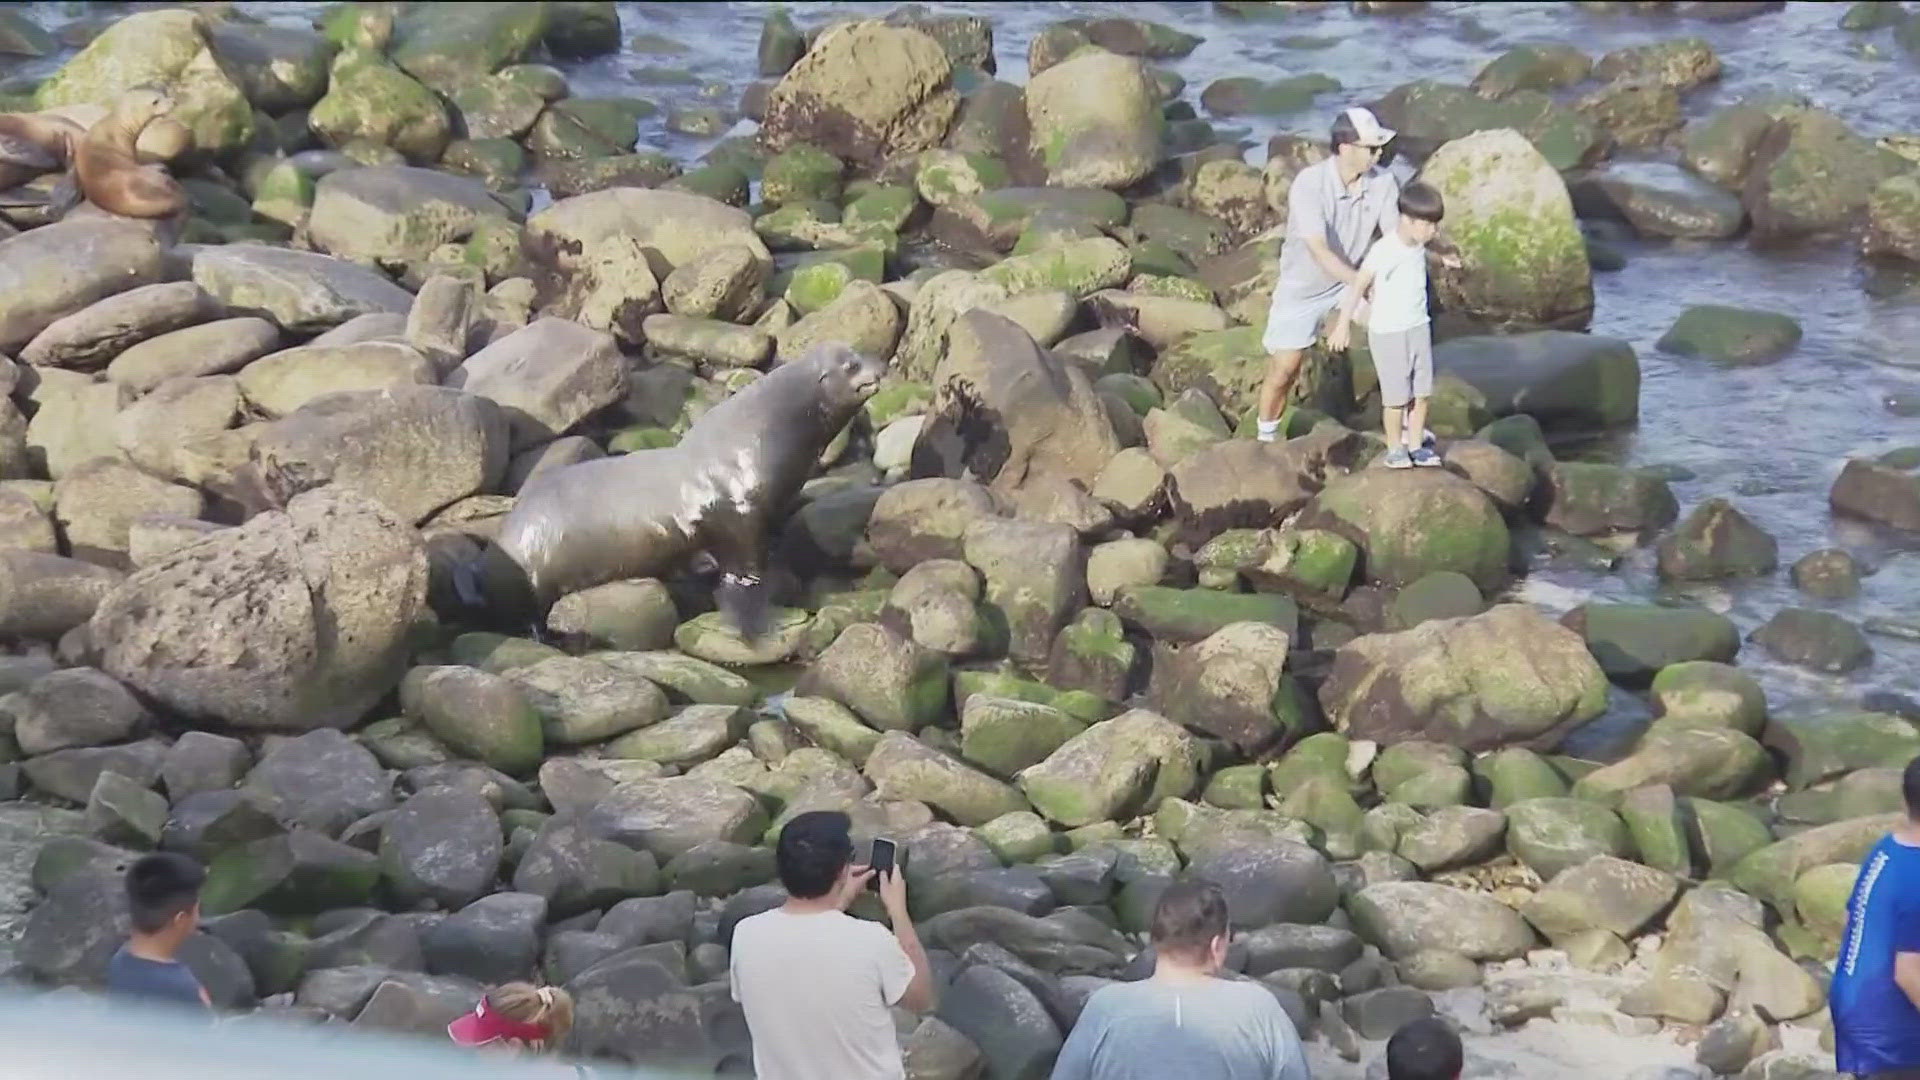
point(1875, 997)
point(163, 901)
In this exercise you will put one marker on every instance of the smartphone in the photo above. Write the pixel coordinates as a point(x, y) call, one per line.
point(881, 860)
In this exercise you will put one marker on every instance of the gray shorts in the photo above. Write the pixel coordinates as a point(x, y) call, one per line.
point(1404, 363)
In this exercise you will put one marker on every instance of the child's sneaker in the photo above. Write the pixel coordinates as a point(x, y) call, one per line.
point(1427, 440)
point(1398, 458)
point(1425, 458)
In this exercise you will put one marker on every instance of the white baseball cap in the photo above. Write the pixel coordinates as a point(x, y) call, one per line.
point(1369, 128)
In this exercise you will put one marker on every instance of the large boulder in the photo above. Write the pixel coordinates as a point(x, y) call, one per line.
point(395, 214)
point(1006, 410)
point(547, 376)
point(1233, 686)
point(1116, 768)
point(598, 258)
point(1427, 114)
point(864, 92)
point(1410, 523)
point(100, 332)
point(1703, 762)
point(1405, 918)
point(1506, 676)
point(902, 767)
point(54, 271)
point(1508, 211)
point(1812, 175)
point(369, 100)
point(1036, 578)
point(1565, 381)
point(278, 384)
point(1603, 893)
point(295, 620)
point(302, 292)
point(1095, 121)
point(448, 46)
point(673, 815)
point(1633, 642)
point(1589, 498)
point(1874, 491)
point(442, 845)
point(1247, 484)
point(1717, 541)
point(415, 449)
point(280, 68)
point(165, 49)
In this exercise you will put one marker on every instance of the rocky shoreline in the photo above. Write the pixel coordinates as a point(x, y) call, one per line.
point(1049, 615)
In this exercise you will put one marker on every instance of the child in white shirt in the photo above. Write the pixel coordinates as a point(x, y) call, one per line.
point(1393, 276)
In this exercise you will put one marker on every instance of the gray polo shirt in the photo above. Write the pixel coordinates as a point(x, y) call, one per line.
point(1214, 1029)
point(1349, 218)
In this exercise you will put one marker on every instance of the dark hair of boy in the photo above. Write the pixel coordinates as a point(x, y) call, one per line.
point(1189, 918)
point(1910, 788)
point(1425, 1049)
point(812, 851)
point(1422, 202)
point(160, 887)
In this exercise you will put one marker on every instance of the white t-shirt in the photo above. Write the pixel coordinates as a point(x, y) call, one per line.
point(1399, 294)
point(816, 989)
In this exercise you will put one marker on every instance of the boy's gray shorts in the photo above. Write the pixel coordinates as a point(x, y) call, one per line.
point(1404, 362)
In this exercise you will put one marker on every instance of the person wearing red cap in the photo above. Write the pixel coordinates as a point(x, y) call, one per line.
point(518, 1017)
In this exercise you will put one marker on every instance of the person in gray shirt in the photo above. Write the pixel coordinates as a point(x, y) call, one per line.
point(1185, 1020)
point(1335, 210)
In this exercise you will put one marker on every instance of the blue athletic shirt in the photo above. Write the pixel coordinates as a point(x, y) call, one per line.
point(155, 980)
point(1875, 1025)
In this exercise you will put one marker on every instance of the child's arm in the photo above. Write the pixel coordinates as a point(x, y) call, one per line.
point(1338, 337)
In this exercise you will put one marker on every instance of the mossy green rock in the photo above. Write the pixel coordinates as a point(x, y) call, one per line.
point(1826, 745)
point(1444, 594)
point(1005, 735)
point(1731, 335)
point(1019, 837)
point(1551, 835)
point(369, 99)
point(1770, 872)
point(695, 734)
point(1722, 834)
point(1532, 67)
point(1080, 267)
point(1229, 365)
point(476, 714)
point(885, 206)
point(832, 726)
point(1516, 774)
point(1709, 694)
point(1509, 214)
point(1114, 769)
point(447, 46)
point(1633, 642)
point(902, 767)
point(1654, 821)
point(1243, 96)
point(801, 174)
point(1442, 112)
point(498, 108)
point(890, 681)
point(1323, 753)
point(1328, 806)
point(1411, 523)
point(1708, 762)
point(1237, 787)
point(1813, 175)
point(1716, 541)
point(712, 637)
point(814, 287)
point(589, 127)
point(1406, 761)
point(1187, 615)
point(284, 194)
point(1820, 898)
point(166, 49)
point(301, 873)
point(498, 653)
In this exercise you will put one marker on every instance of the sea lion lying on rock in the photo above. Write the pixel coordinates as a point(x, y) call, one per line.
point(108, 165)
point(33, 144)
point(732, 477)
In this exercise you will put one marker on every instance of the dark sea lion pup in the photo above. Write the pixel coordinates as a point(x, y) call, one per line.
point(733, 477)
point(111, 174)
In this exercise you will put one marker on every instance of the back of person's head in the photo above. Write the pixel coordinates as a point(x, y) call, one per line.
point(1425, 1049)
point(1189, 918)
point(517, 1014)
point(813, 850)
point(1422, 202)
point(1910, 788)
point(160, 887)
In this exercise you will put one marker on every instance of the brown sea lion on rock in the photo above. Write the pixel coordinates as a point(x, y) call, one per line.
point(108, 163)
point(731, 479)
point(32, 144)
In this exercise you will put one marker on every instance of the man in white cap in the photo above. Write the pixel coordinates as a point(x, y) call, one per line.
point(1335, 209)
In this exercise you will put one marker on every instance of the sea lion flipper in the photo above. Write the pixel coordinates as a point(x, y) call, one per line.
point(743, 600)
point(65, 194)
point(736, 542)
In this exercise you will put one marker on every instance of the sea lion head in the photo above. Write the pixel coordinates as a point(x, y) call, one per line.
point(846, 377)
point(143, 104)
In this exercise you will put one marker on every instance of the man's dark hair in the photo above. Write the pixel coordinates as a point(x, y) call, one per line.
point(1422, 202)
point(1188, 917)
point(1343, 132)
point(814, 847)
point(1424, 1049)
point(161, 886)
point(1910, 788)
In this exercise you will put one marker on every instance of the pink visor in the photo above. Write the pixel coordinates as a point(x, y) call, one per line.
point(483, 1026)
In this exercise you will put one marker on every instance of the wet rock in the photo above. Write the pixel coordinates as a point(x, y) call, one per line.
point(299, 291)
point(634, 999)
point(1680, 63)
point(1659, 200)
point(1115, 768)
point(891, 682)
point(414, 448)
point(864, 92)
point(1829, 745)
point(1537, 279)
point(1532, 67)
point(1709, 694)
point(1827, 574)
point(1635, 111)
point(582, 700)
point(1603, 893)
point(163, 631)
point(45, 595)
point(1428, 114)
point(1017, 1037)
point(1716, 541)
point(1817, 640)
point(1409, 525)
point(1566, 381)
point(1506, 676)
point(1094, 120)
point(1405, 918)
point(1591, 499)
point(1731, 335)
point(1891, 212)
point(1634, 642)
point(1877, 492)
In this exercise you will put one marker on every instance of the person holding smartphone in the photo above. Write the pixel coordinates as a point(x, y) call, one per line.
point(817, 984)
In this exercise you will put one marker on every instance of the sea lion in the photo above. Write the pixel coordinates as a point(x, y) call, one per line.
point(731, 478)
point(33, 144)
point(108, 166)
